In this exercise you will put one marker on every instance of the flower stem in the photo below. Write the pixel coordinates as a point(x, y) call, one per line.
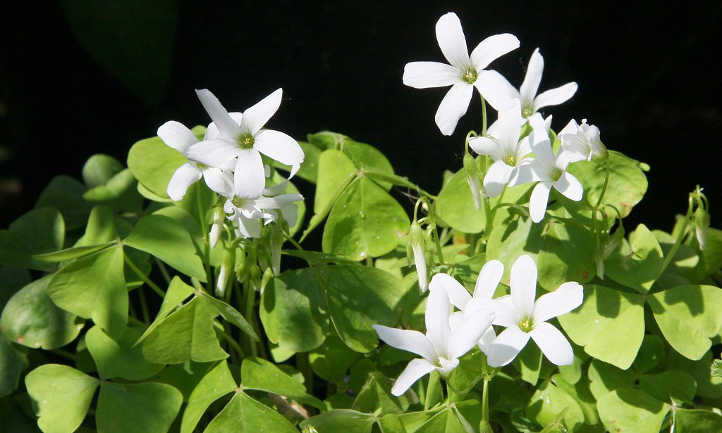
point(483, 116)
point(143, 277)
point(678, 241)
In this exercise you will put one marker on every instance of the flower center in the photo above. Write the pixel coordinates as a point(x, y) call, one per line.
point(527, 111)
point(510, 160)
point(470, 75)
point(238, 202)
point(526, 324)
point(556, 174)
point(245, 141)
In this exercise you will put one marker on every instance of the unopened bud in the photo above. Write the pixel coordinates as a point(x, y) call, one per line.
point(416, 239)
point(216, 227)
point(473, 178)
point(701, 224)
point(224, 274)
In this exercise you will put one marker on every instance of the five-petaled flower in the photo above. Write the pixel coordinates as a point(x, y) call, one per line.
point(583, 139)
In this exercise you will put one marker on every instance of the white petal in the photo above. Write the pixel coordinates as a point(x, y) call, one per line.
point(532, 78)
point(486, 146)
point(226, 125)
point(406, 339)
point(453, 106)
point(456, 320)
point(255, 117)
point(488, 279)
point(506, 346)
point(505, 313)
point(468, 333)
point(422, 75)
point(219, 181)
point(552, 343)
point(492, 48)
point(212, 131)
point(415, 370)
point(451, 40)
point(177, 136)
point(279, 146)
point(496, 90)
point(248, 178)
point(278, 201)
point(524, 174)
point(555, 96)
point(507, 127)
point(523, 284)
point(567, 297)
point(437, 320)
point(184, 176)
point(249, 227)
point(218, 153)
point(497, 177)
point(538, 201)
point(568, 154)
point(569, 186)
point(570, 128)
point(458, 295)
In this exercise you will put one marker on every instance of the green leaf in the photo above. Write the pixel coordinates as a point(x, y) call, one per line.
point(245, 414)
point(529, 363)
point(636, 264)
point(333, 168)
point(119, 358)
point(39, 231)
point(262, 375)
point(120, 193)
point(100, 229)
point(168, 240)
point(16, 418)
point(185, 334)
point(13, 363)
point(184, 377)
point(231, 315)
point(66, 194)
point(309, 167)
point(688, 316)
point(153, 164)
point(69, 254)
point(651, 354)
point(549, 401)
point(468, 373)
point(604, 378)
point(365, 222)
point(631, 410)
point(667, 385)
point(455, 206)
point(626, 185)
point(375, 397)
point(708, 385)
point(609, 324)
point(11, 280)
point(30, 318)
point(99, 168)
point(341, 420)
point(136, 407)
point(63, 395)
point(214, 385)
point(712, 252)
point(93, 287)
point(332, 359)
point(696, 421)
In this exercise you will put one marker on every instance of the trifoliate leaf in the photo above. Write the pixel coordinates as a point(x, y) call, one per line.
point(631, 410)
point(153, 164)
point(66, 195)
point(118, 357)
point(637, 263)
point(346, 420)
point(455, 206)
point(39, 231)
point(215, 384)
point(13, 362)
point(136, 407)
point(243, 413)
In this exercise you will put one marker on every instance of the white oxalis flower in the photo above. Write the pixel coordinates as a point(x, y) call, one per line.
point(583, 139)
point(501, 94)
point(524, 318)
point(441, 347)
point(463, 71)
point(235, 141)
point(179, 137)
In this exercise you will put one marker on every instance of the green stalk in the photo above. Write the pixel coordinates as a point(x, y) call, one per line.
point(143, 305)
point(483, 116)
point(142, 276)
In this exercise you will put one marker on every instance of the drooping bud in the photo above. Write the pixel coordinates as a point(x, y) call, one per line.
point(473, 178)
point(701, 224)
point(416, 240)
point(217, 226)
point(224, 274)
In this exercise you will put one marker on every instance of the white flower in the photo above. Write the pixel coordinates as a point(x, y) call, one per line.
point(179, 137)
point(525, 318)
point(236, 141)
point(416, 239)
point(550, 170)
point(502, 144)
point(500, 94)
point(462, 72)
point(480, 303)
point(582, 139)
point(441, 347)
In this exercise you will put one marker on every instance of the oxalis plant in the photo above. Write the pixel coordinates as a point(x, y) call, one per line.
point(153, 298)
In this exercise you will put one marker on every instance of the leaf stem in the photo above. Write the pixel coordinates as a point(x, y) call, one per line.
point(397, 180)
point(143, 305)
point(163, 269)
point(678, 241)
point(143, 277)
point(483, 116)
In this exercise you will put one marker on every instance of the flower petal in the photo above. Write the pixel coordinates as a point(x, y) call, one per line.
point(555, 96)
point(177, 136)
point(453, 106)
point(523, 284)
point(218, 153)
point(451, 40)
point(248, 178)
point(567, 297)
point(422, 75)
point(569, 186)
point(469, 332)
point(415, 370)
point(538, 201)
point(496, 90)
point(492, 48)
point(506, 346)
point(279, 146)
point(532, 78)
point(486, 340)
point(497, 177)
point(488, 279)
point(219, 181)
point(505, 313)
point(184, 176)
point(255, 117)
point(249, 227)
point(278, 201)
point(437, 320)
point(553, 343)
point(458, 295)
point(487, 146)
point(406, 339)
point(227, 127)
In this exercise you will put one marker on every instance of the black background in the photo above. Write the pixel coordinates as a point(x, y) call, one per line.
point(649, 78)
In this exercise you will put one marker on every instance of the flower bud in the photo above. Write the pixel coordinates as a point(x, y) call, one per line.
point(701, 224)
point(224, 274)
point(217, 226)
point(473, 178)
point(416, 239)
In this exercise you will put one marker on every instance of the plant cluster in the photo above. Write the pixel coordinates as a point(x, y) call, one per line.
point(153, 298)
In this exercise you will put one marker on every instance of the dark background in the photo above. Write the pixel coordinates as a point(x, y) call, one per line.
point(84, 77)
